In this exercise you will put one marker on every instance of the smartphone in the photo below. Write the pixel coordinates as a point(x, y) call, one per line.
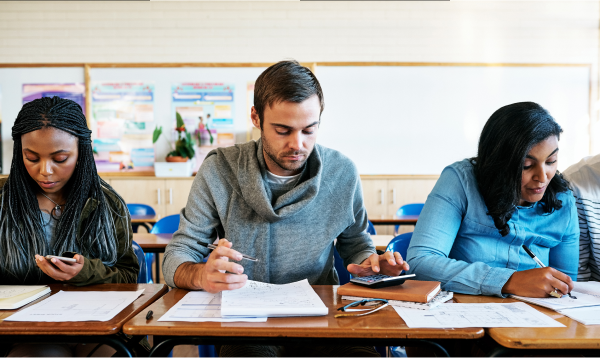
point(64, 259)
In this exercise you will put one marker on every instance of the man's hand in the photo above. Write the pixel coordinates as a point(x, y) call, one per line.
point(59, 270)
point(212, 276)
point(390, 263)
point(538, 282)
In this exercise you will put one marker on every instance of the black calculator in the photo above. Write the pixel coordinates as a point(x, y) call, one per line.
point(379, 281)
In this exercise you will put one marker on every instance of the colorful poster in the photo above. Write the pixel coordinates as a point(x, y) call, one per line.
point(207, 109)
point(122, 125)
point(72, 91)
point(253, 133)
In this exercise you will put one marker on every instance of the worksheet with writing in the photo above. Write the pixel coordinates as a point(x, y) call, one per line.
point(76, 306)
point(200, 306)
point(269, 300)
point(464, 315)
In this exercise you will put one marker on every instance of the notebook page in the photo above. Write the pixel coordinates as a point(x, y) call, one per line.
point(565, 302)
point(7, 291)
point(260, 299)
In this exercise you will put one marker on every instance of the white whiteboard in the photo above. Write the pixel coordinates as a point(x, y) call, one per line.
point(388, 120)
point(417, 120)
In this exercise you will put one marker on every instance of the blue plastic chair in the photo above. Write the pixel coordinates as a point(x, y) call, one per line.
point(167, 225)
point(400, 244)
point(371, 229)
point(140, 209)
point(409, 209)
point(139, 253)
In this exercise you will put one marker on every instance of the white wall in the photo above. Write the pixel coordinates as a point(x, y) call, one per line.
point(496, 32)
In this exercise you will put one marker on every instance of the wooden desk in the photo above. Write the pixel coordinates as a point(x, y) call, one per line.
point(382, 328)
point(141, 219)
point(153, 243)
point(80, 332)
point(394, 220)
point(381, 241)
point(575, 336)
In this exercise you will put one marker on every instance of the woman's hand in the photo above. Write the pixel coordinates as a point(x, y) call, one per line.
point(538, 282)
point(59, 270)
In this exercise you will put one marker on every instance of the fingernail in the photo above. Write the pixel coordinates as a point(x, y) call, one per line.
point(54, 260)
point(238, 257)
point(240, 270)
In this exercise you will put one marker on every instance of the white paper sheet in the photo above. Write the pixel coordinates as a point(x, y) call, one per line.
point(585, 315)
point(463, 315)
point(200, 306)
point(268, 300)
point(7, 291)
point(565, 302)
point(77, 306)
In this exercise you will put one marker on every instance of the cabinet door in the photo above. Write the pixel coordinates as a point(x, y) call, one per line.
point(374, 192)
point(407, 191)
point(150, 192)
point(176, 194)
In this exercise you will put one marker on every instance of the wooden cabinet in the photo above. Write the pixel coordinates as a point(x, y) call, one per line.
point(385, 194)
point(166, 195)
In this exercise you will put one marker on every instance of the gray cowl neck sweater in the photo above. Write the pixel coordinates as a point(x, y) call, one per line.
point(293, 237)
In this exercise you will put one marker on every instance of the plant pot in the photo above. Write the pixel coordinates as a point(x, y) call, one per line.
point(176, 159)
point(181, 169)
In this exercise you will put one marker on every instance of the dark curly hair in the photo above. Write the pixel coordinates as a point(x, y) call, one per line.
point(507, 137)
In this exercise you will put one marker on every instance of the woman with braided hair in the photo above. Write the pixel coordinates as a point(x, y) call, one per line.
point(54, 203)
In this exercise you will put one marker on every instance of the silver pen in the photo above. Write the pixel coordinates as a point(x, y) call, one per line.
point(537, 261)
point(212, 247)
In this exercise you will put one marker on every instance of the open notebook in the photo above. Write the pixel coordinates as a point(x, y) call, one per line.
point(13, 297)
point(585, 308)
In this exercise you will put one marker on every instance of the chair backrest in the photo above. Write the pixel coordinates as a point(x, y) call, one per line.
point(143, 275)
point(167, 225)
point(342, 272)
point(400, 244)
point(371, 229)
point(410, 209)
point(140, 209)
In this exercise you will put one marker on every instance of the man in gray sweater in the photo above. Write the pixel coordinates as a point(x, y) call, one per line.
point(283, 199)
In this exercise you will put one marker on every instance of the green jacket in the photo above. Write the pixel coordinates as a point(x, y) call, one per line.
point(94, 271)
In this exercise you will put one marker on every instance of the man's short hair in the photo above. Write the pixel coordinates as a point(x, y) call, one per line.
point(285, 81)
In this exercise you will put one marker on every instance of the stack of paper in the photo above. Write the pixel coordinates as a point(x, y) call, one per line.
point(252, 303)
point(76, 306)
point(260, 299)
point(464, 315)
point(13, 297)
point(441, 297)
point(585, 308)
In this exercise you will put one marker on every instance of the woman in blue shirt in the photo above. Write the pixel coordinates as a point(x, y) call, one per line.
point(482, 210)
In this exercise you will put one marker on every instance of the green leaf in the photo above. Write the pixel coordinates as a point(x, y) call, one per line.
point(156, 134)
point(179, 120)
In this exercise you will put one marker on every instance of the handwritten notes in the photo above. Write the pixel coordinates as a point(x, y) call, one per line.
point(7, 291)
point(260, 299)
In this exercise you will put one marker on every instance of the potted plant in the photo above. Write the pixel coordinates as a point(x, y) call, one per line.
point(183, 149)
point(178, 159)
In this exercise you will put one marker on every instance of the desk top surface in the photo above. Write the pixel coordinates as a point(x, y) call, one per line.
point(574, 336)
point(151, 293)
point(139, 219)
point(393, 220)
point(383, 324)
point(152, 241)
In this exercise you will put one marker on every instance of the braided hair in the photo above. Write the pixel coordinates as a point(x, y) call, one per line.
point(506, 138)
point(21, 224)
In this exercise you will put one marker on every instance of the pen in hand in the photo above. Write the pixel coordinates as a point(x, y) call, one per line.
point(540, 264)
point(212, 247)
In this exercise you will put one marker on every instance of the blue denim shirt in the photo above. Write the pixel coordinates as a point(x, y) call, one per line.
point(455, 241)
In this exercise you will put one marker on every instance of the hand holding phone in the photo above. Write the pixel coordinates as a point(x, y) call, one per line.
point(60, 268)
point(61, 258)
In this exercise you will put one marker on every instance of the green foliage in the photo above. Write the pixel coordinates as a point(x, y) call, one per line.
point(184, 145)
point(156, 134)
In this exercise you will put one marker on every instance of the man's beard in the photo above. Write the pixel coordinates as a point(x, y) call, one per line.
point(281, 163)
